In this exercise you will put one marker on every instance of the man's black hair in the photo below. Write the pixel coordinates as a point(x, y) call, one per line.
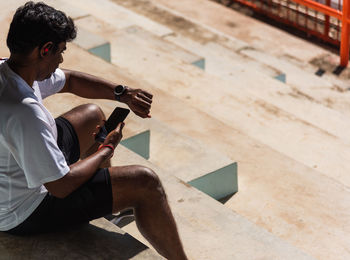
point(35, 24)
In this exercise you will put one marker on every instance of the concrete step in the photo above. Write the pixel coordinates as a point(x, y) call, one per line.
point(98, 240)
point(209, 230)
point(221, 60)
point(177, 154)
point(332, 94)
point(238, 105)
point(119, 16)
point(93, 44)
point(177, 22)
point(290, 200)
point(94, 25)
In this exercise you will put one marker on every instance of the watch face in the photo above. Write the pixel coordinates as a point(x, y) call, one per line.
point(119, 89)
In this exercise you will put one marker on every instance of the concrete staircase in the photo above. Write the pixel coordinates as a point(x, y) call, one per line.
point(290, 143)
point(280, 174)
point(262, 115)
point(202, 24)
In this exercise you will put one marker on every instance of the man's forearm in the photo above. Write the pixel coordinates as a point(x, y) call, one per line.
point(88, 86)
point(80, 172)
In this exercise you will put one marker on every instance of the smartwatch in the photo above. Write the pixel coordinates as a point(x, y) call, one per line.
point(118, 91)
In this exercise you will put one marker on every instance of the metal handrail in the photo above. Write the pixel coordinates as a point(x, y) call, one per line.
point(341, 15)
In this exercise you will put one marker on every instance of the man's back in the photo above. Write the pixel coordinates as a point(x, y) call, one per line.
point(25, 138)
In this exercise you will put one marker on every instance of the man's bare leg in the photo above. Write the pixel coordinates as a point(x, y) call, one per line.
point(139, 188)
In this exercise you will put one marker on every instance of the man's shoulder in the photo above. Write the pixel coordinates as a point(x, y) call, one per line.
point(26, 110)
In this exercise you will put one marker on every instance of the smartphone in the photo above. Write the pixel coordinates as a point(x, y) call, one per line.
point(118, 115)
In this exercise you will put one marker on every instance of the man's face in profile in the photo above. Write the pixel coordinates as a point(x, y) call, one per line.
point(52, 61)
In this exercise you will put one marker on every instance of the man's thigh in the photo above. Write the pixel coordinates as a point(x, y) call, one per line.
point(67, 140)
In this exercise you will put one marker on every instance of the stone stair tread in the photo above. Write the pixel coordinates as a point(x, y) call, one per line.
point(178, 22)
point(95, 25)
point(220, 59)
point(332, 94)
point(98, 240)
point(119, 16)
point(180, 155)
point(87, 40)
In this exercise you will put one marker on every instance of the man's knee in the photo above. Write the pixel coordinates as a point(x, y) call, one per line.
point(138, 178)
point(150, 180)
point(85, 115)
point(93, 112)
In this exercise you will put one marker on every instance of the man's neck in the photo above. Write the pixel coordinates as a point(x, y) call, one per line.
point(22, 67)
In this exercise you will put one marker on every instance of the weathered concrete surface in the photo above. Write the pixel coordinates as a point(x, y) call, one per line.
point(117, 15)
point(211, 232)
point(98, 240)
point(180, 155)
point(283, 196)
point(272, 124)
point(221, 60)
point(274, 188)
point(89, 22)
point(206, 24)
point(233, 23)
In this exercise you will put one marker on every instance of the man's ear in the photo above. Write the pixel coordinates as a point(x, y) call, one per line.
point(45, 49)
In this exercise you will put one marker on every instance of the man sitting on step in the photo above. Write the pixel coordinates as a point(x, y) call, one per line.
point(43, 185)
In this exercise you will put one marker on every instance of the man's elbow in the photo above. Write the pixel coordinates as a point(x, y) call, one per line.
point(59, 188)
point(60, 195)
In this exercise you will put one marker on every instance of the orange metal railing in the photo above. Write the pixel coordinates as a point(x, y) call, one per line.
point(325, 19)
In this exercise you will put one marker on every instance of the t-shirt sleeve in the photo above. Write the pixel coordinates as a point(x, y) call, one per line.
point(53, 84)
point(35, 149)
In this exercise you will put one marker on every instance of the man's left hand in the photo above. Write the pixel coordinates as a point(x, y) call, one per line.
point(138, 100)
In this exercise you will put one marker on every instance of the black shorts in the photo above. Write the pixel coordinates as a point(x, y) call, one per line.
point(90, 201)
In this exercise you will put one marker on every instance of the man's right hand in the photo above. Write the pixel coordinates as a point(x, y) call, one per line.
point(115, 136)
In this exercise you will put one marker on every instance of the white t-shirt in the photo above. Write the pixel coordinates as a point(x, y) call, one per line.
point(29, 155)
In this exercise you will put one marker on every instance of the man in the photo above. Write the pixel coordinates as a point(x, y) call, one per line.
point(43, 186)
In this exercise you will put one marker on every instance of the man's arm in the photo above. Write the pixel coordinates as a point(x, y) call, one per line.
point(81, 171)
point(89, 86)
